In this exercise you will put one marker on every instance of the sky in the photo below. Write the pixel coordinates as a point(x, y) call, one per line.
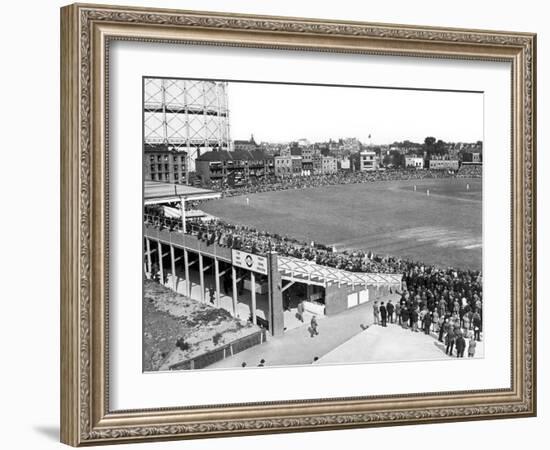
point(281, 113)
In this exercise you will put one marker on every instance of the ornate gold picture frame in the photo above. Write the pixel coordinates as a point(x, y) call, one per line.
point(86, 34)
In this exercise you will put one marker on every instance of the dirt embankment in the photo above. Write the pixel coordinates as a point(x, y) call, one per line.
point(177, 328)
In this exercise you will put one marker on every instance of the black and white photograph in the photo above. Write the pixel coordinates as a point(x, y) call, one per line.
point(298, 224)
point(266, 225)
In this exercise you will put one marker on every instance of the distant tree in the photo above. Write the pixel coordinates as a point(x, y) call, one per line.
point(400, 160)
point(441, 147)
point(433, 146)
point(429, 142)
point(395, 158)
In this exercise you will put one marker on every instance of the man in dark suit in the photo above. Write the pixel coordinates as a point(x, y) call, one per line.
point(405, 317)
point(390, 309)
point(427, 322)
point(383, 314)
point(450, 341)
point(476, 322)
point(460, 346)
point(414, 320)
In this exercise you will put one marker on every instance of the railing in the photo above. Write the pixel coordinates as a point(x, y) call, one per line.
point(189, 241)
point(304, 269)
point(160, 222)
point(230, 349)
point(174, 224)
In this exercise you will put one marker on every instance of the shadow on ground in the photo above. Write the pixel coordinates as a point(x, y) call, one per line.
point(49, 431)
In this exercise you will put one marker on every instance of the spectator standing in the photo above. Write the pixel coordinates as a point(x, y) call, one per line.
point(421, 316)
point(435, 322)
point(314, 326)
point(466, 321)
point(398, 313)
point(390, 309)
point(405, 317)
point(212, 294)
point(476, 322)
point(383, 314)
point(155, 272)
point(414, 320)
point(427, 322)
point(460, 346)
point(449, 341)
point(472, 348)
point(443, 327)
point(376, 313)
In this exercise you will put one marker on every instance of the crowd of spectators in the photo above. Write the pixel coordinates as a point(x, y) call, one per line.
point(470, 171)
point(441, 300)
point(267, 184)
point(241, 237)
point(432, 296)
point(447, 302)
point(456, 324)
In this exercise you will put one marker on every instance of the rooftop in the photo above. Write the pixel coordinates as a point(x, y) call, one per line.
point(155, 192)
point(161, 148)
point(246, 155)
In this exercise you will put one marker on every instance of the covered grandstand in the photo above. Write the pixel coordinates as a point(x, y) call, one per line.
point(176, 249)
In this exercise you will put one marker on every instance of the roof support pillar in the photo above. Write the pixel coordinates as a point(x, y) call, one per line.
point(161, 266)
point(149, 264)
point(173, 262)
point(234, 289)
point(253, 296)
point(201, 277)
point(183, 216)
point(187, 279)
point(217, 278)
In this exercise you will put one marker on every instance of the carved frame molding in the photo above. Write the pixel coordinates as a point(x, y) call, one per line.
point(86, 31)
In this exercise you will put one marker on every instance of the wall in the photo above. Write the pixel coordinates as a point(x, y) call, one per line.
point(30, 312)
point(336, 298)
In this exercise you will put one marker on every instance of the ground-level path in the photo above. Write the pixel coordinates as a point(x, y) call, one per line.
point(391, 344)
point(297, 347)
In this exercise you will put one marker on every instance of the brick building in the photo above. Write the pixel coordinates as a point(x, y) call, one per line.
point(283, 166)
point(163, 163)
point(245, 146)
point(234, 168)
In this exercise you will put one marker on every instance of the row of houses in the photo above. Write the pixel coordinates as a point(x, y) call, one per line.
point(240, 166)
point(453, 149)
point(308, 163)
point(442, 163)
point(166, 164)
